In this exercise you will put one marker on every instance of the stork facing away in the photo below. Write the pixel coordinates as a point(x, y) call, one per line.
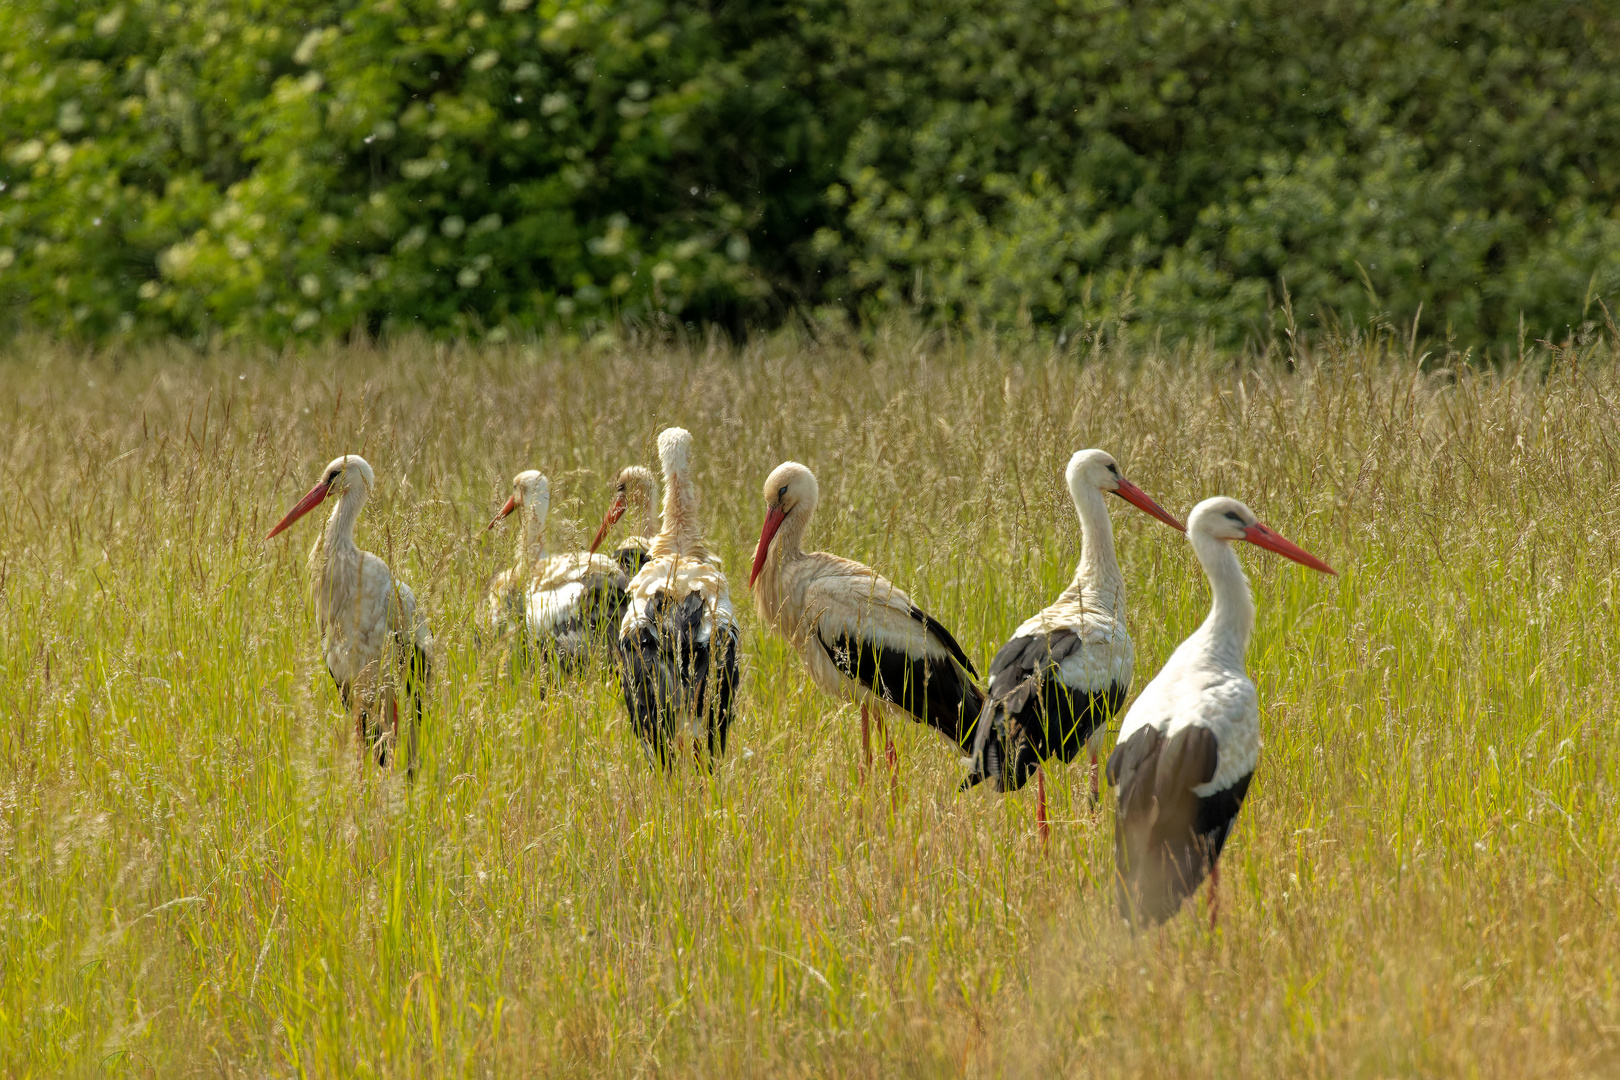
point(861, 638)
point(568, 606)
point(634, 490)
point(1065, 672)
point(1190, 743)
point(375, 641)
point(678, 639)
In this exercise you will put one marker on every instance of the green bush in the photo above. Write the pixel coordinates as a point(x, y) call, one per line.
point(303, 169)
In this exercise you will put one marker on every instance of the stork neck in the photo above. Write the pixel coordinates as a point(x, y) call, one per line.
point(532, 545)
point(1097, 582)
point(1230, 621)
point(787, 546)
point(340, 525)
point(652, 522)
point(680, 534)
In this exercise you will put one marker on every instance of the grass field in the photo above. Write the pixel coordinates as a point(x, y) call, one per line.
point(196, 879)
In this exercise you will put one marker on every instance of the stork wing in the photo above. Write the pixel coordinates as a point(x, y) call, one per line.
point(878, 638)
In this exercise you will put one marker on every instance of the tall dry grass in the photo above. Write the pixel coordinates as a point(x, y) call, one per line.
point(195, 879)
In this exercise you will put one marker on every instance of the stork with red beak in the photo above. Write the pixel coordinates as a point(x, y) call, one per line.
point(678, 640)
point(1190, 743)
point(568, 606)
point(1065, 672)
point(634, 490)
point(375, 641)
point(861, 638)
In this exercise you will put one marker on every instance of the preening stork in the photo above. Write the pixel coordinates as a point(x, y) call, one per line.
point(1065, 672)
point(678, 640)
point(375, 641)
point(566, 605)
point(1190, 743)
point(635, 490)
point(862, 639)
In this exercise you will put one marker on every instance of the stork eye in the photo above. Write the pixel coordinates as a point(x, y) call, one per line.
point(1232, 514)
point(781, 493)
point(1113, 468)
point(331, 477)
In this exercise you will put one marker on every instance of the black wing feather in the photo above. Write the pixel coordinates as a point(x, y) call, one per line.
point(938, 630)
point(936, 692)
point(666, 673)
point(1166, 837)
point(1033, 716)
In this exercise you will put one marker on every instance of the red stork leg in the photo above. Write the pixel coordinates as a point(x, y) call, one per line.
point(866, 742)
point(393, 739)
point(1214, 894)
point(1041, 824)
point(893, 760)
point(1096, 793)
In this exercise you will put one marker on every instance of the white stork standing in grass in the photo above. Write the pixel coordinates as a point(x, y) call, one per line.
point(634, 489)
point(566, 605)
point(862, 639)
point(1190, 742)
point(1064, 674)
point(375, 641)
point(678, 640)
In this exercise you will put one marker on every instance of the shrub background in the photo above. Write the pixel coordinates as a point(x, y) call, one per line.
point(251, 170)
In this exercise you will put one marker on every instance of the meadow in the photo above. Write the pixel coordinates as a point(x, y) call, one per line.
point(196, 879)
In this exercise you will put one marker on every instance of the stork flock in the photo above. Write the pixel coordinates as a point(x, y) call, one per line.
point(659, 609)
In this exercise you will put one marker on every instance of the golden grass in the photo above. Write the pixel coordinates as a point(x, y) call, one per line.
point(197, 880)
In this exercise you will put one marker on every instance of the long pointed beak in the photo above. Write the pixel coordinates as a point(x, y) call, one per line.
point(305, 505)
point(1261, 536)
point(615, 512)
point(773, 521)
point(511, 504)
point(1139, 499)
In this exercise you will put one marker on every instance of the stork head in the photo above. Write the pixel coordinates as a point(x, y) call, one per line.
point(341, 475)
point(634, 486)
point(1097, 469)
point(1227, 520)
point(529, 489)
point(790, 487)
point(674, 450)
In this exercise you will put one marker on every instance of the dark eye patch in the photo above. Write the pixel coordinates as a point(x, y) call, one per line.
point(1113, 468)
point(331, 477)
point(1233, 515)
point(781, 493)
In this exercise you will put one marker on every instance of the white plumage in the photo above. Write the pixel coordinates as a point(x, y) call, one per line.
point(1191, 741)
point(567, 605)
point(374, 641)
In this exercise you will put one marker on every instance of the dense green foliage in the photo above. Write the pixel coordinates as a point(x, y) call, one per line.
point(304, 168)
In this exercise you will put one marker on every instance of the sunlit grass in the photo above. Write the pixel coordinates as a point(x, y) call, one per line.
point(199, 879)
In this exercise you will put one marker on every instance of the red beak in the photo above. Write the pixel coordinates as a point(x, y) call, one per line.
point(511, 504)
point(1261, 536)
point(615, 512)
point(773, 521)
point(305, 505)
point(1139, 499)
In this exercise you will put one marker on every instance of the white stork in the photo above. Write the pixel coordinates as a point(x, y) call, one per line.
point(566, 605)
point(633, 489)
point(1065, 672)
point(375, 641)
point(678, 640)
point(862, 639)
point(1190, 742)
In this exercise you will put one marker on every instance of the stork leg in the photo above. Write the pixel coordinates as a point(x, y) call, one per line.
point(893, 759)
point(1096, 792)
point(1041, 824)
point(393, 739)
point(866, 741)
point(1214, 894)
